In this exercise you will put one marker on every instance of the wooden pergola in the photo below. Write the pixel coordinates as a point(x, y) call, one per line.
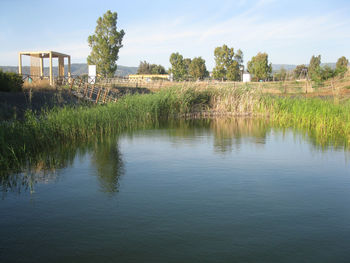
point(46, 54)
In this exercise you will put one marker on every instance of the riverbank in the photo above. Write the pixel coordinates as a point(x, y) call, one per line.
point(326, 121)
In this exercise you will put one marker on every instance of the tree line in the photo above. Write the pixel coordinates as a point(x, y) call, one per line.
point(228, 66)
point(106, 42)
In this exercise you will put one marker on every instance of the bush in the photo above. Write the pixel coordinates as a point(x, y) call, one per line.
point(10, 82)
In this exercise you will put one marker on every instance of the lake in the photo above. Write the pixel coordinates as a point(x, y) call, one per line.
point(221, 190)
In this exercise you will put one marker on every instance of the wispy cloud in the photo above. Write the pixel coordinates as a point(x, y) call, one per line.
point(289, 36)
point(251, 30)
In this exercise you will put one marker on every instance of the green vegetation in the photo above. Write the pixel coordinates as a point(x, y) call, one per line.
point(147, 68)
point(105, 44)
point(300, 72)
point(259, 67)
point(21, 141)
point(186, 68)
point(341, 66)
point(10, 82)
point(319, 74)
point(197, 69)
point(315, 68)
point(228, 64)
point(281, 75)
point(178, 69)
point(326, 121)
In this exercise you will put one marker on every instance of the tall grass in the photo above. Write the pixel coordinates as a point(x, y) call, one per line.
point(21, 141)
point(324, 120)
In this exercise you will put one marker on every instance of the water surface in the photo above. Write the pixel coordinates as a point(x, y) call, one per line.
point(192, 191)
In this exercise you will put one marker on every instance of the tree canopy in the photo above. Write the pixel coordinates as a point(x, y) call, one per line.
point(178, 68)
point(259, 67)
point(227, 63)
point(341, 66)
point(281, 75)
point(315, 68)
point(300, 72)
point(105, 44)
point(197, 68)
point(147, 68)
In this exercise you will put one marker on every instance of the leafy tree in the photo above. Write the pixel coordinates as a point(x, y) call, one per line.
point(197, 68)
point(228, 63)
point(259, 67)
point(281, 75)
point(300, 71)
point(341, 66)
point(105, 44)
point(157, 69)
point(146, 68)
point(327, 72)
point(233, 71)
point(239, 57)
point(178, 67)
point(187, 63)
point(315, 68)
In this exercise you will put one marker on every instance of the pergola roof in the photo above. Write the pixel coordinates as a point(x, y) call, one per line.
point(43, 54)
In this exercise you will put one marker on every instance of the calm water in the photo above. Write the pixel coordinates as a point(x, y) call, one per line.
point(200, 191)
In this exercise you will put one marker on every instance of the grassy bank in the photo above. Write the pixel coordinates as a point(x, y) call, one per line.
point(22, 141)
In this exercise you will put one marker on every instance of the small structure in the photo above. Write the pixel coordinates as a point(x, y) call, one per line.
point(148, 77)
point(37, 63)
point(92, 74)
point(247, 77)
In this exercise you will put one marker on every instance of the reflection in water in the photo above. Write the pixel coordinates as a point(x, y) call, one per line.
point(109, 164)
point(45, 167)
point(228, 134)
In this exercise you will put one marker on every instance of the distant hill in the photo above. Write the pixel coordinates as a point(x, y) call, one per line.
point(123, 71)
point(76, 69)
point(288, 67)
point(278, 67)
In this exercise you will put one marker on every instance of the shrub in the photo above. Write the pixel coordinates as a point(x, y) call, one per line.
point(10, 82)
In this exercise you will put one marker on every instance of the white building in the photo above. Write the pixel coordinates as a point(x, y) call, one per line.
point(247, 77)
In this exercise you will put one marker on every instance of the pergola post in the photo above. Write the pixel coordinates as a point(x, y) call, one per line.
point(61, 66)
point(41, 66)
point(51, 77)
point(20, 63)
point(69, 73)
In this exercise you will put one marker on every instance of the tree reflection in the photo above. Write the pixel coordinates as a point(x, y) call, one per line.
point(45, 167)
point(109, 164)
point(229, 133)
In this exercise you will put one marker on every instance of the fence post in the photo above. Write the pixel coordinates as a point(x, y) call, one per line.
point(71, 86)
point(98, 95)
point(86, 89)
point(92, 90)
point(105, 96)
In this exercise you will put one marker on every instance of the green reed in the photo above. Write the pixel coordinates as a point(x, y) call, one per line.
point(21, 141)
point(327, 122)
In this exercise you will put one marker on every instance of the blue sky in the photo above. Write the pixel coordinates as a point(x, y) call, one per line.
point(289, 31)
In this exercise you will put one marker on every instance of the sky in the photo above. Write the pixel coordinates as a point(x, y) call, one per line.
point(290, 32)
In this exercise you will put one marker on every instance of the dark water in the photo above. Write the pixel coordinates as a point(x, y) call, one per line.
point(200, 191)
